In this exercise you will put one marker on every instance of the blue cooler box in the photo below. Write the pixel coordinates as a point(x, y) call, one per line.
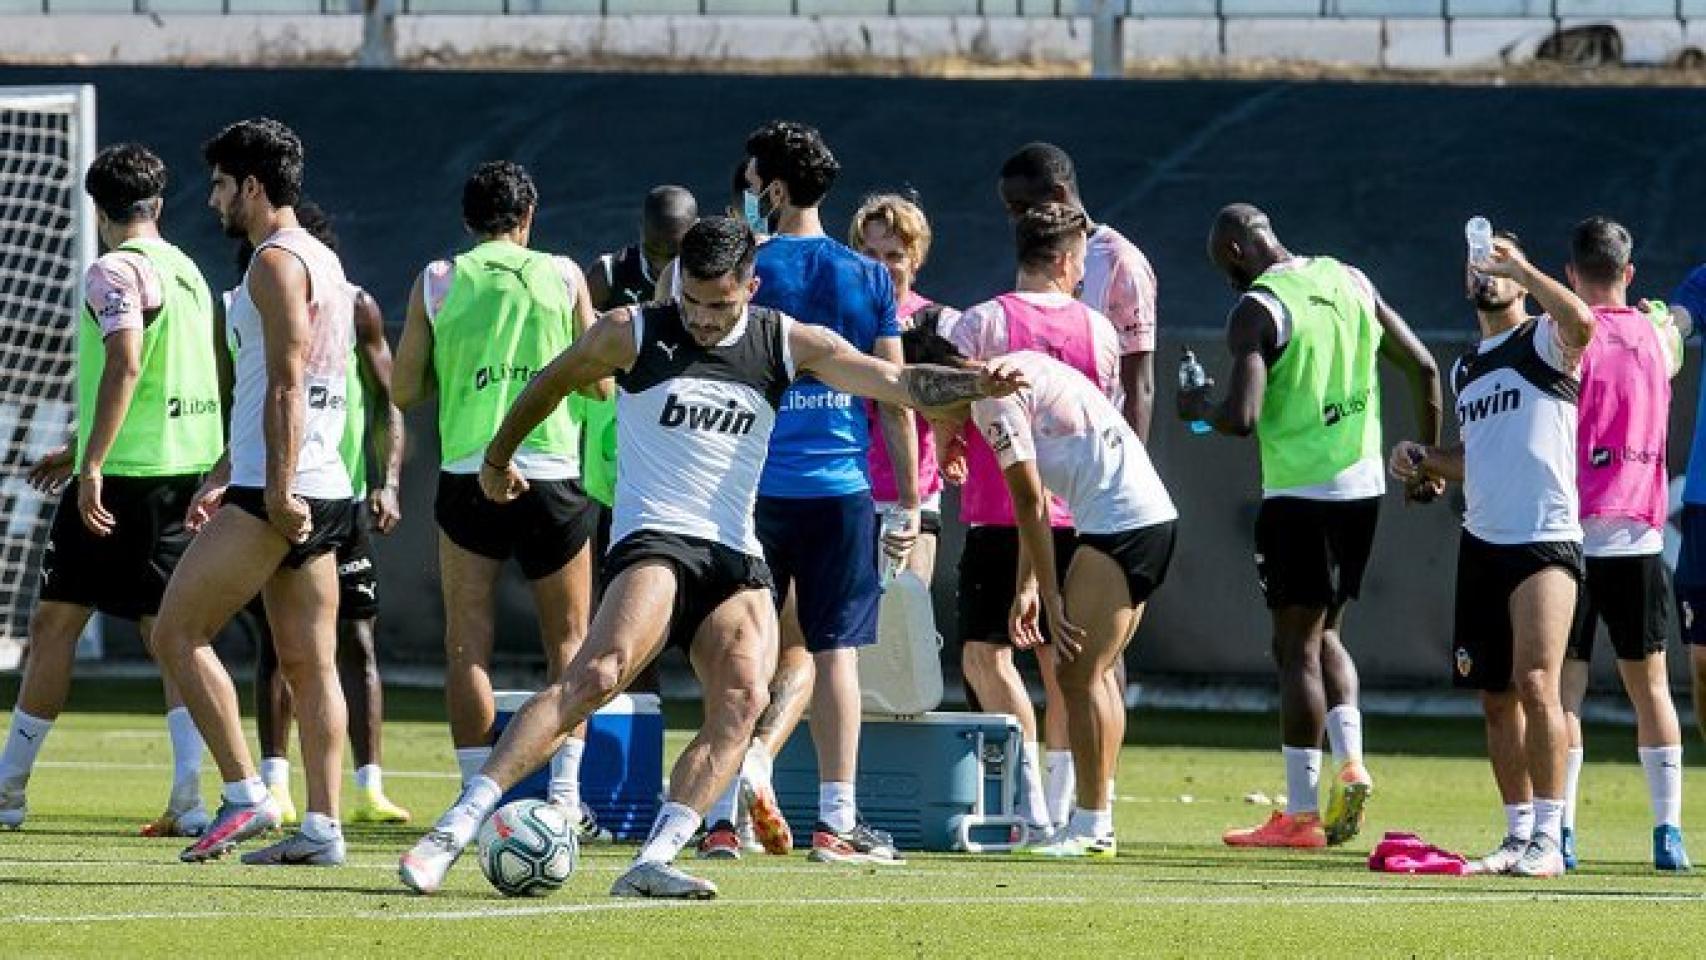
point(937, 781)
point(622, 769)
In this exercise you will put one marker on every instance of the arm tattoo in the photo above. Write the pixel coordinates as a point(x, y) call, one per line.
point(933, 386)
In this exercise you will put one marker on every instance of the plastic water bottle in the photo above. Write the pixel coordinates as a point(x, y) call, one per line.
point(1192, 377)
point(1479, 232)
point(894, 521)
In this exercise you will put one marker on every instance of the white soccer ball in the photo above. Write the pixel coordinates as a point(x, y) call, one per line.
point(528, 848)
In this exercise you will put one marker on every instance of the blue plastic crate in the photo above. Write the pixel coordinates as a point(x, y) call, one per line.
point(622, 769)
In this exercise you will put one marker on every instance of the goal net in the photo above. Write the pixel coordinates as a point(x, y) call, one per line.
point(47, 239)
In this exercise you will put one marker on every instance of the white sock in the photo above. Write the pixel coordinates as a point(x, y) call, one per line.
point(1344, 733)
point(1519, 820)
point(23, 743)
point(1033, 802)
point(1302, 780)
point(187, 748)
point(1062, 784)
point(370, 777)
point(675, 825)
point(1572, 776)
point(757, 766)
point(1548, 817)
point(318, 826)
point(566, 774)
point(1664, 783)
point(471, 760)
point(275, 770)
point(251, 790)
point(478, 798)
point(836, 805)
point(723, 808)
point(1094, 824)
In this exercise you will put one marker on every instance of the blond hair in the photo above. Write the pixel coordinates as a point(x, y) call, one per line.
point(897, 215)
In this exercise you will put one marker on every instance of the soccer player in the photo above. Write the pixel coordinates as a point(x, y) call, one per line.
point(1305, 339)
point(148, 428)
point(1118, 280)
point(478, 329)
point(372, 419)
point(278, 506)
point(1119, 284)
point(815, 516)
point(630, 275)
point(893, 231)
point(1624, 485)
point(700, 383)
point(1690, 298)
point(1065, 434)
point(1040, 314)
point(1520, 559)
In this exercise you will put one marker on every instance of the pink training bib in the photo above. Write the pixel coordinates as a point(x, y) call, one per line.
point(1064, 333)
point(883, 487)
point(1623, 416)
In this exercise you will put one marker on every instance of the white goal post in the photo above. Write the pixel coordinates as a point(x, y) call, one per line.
point(47, 241)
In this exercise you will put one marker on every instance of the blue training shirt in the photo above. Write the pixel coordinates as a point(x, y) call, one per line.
point(1692, 296)
point(819, 445)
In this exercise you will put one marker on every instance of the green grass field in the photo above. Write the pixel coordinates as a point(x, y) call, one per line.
point(78, 882)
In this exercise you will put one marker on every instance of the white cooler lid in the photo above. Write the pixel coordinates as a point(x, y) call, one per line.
point(509, 701)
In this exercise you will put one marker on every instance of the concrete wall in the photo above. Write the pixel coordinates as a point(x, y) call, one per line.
point(1381, 175)
point(273, 39)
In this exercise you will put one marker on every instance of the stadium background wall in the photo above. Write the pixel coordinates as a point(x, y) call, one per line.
point(1381, 175)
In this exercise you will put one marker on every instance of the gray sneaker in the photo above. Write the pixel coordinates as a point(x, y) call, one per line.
point(12, 808)
point(1501, 861)
point(651, 879)
point(1543, 858)
point(299, 850)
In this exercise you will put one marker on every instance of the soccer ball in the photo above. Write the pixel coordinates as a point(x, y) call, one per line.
point(528, 848)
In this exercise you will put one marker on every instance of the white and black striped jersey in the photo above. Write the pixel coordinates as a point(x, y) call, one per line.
point(1516, 404)
point(693, 426)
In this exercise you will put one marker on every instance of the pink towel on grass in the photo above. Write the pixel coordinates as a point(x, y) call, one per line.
point(1399, 852)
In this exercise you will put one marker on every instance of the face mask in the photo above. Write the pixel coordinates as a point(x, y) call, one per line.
point(752, 211)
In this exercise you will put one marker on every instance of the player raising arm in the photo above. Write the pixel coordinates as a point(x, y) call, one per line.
point(699, 382)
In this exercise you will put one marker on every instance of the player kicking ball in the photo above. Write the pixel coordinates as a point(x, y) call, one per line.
point(699, 381)
point(1064, 435)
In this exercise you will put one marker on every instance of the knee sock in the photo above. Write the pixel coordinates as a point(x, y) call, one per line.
point(1663, 766)
point(1344, 733)
point(23, 744)
point(1302, 780)
point(1062, 784)
point(1572, 776)
point(675, 825)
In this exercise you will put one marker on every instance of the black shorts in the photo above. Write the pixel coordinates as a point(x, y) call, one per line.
point(1313, 553)
point(826, 549)
point(542, 529)
point(707, 573)
point(1143, 554)
point(988, 565)
point(358, 582)
point(123, 574)
point(333, 522)
point(1691, 575)
point(1633, 596)
point(1483, 648)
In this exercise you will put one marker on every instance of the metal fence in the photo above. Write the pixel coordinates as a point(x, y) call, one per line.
point(1557, 10)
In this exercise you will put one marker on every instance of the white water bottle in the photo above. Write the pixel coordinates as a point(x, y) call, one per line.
point(1192, 377)
point(1479, 233)
point(888, 565)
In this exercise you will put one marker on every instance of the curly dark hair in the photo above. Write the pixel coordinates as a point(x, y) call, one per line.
point(497, 197)
point(795, 154)
point(264, 149)
point(125, 181)
point(1043, 232)
point(716, 247)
